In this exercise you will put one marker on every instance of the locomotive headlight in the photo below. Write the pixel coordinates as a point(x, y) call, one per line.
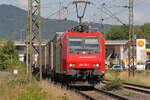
point(72, 65)
point(96, 65)
point(83, 52)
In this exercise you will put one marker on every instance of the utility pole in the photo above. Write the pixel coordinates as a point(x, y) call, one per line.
point(131, 52)
point(35, 37)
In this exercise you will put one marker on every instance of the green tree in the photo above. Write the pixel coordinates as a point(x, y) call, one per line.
point(143, 31)
point(118, 33)
point(8, 54)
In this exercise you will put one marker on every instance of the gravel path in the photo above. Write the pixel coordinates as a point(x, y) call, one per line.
point(4, 75)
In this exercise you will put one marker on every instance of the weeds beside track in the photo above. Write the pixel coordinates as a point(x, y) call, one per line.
point(134, 87)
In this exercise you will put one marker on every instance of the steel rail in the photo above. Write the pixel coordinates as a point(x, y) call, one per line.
point(118, 97)
point(135, 87)
point(138, 89)
point(89, 96)
point(140, 86)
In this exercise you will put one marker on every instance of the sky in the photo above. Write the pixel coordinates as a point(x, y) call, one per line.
point(95, 12)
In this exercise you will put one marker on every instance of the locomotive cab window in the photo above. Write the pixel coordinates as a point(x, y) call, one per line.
point(75, 42)
point(88, 45)
point(91, 43)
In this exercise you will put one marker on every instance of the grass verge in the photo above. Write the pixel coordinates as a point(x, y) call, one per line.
point(140, 78)
point(20, 89)
point(130, 94)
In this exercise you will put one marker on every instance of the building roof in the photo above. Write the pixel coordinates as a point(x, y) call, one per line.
point(116, 42)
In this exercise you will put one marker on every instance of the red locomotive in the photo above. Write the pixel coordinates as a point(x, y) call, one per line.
point(77, 56)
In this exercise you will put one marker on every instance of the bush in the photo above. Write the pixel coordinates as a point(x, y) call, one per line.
point(20, 66)
point(4, 65)
point(8, 54)
point(113, 85)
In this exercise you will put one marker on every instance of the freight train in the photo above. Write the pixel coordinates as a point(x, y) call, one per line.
point(77, 56)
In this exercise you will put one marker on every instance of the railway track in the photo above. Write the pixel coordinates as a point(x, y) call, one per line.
point(96, 94)
point(137, 88)
point(134, 87)
point(90, 93)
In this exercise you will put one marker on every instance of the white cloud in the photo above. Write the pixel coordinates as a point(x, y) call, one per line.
point(23, 3)
point(138, 16)
point(142, 1)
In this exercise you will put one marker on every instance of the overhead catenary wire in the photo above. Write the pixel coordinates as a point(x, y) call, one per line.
point(68, 12)
point(110, 14)
point(61, 9)
point(113, 5)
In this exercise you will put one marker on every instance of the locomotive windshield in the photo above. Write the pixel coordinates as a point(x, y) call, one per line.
point(91, 43)
point(86, 44)
point(75, 42)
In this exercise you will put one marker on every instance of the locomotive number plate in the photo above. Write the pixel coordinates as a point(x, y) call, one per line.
point(84, 65)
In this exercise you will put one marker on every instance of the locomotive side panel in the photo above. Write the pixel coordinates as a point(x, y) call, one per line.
point(64, 53)
point(51, 55)
point(57, 62)
point(102, 54)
